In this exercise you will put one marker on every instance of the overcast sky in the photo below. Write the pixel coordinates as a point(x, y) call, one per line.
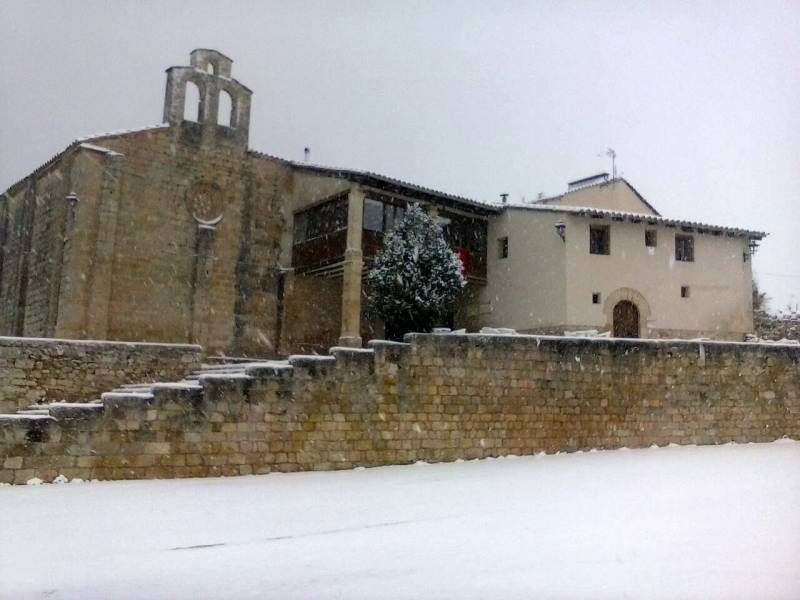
point(701, 101)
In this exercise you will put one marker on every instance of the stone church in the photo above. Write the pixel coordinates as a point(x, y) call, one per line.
point(181, 233)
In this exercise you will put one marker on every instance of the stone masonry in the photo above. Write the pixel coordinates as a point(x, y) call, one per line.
point(435, 398)
point(46, 370)
point(167, 234)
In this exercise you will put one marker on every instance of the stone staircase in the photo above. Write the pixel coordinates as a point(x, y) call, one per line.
point(219, 369)
point(143, 392)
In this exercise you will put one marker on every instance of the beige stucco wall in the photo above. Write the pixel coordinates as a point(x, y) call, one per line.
point(547, 285)
point(719, 281)
point(526, 290)
point(616, 194)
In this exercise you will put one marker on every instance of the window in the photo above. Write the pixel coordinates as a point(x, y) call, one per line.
point(502, 247)
point(684, 248)
point(381, 216)
point(684, 291)
point(464, 233)
point(318, 221)
point(596, 298)
point(392, 215)
point(599, 239)
point(650, 238)
point(300, 226)
point(373, 215)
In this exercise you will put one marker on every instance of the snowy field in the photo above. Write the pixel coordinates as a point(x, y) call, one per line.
point(672, 523)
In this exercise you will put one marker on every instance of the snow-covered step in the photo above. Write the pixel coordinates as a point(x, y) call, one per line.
point(26, 418)
point(224, 367)
point(146, 390)
point(126, 399)
point(177, 385)
point(75, 410)
point(242, 365)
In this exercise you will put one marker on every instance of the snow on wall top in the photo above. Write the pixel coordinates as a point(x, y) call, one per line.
point(34, 341)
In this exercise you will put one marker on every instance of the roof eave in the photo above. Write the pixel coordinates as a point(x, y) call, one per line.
point(386, 183)
point(640, 217)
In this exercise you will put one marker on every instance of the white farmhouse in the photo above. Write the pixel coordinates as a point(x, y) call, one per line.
point(601, 257)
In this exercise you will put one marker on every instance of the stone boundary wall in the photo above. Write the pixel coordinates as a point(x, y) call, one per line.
point(42, 369)
point(436, 398)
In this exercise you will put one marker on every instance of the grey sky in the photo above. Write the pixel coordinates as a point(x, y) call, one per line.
point(700, 100)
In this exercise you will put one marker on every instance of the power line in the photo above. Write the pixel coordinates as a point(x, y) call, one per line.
point(776, 274)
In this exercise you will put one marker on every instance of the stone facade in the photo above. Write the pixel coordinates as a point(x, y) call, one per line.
point(180, 233)
point(436, 398)
point(122, 253)
point(36, 370)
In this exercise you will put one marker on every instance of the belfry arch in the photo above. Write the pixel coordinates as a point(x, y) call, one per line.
point(224, 106)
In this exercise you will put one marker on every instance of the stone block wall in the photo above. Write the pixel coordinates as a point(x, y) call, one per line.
point(104, 242)
point(312, 313)
point(47, 370)
point(436, 398)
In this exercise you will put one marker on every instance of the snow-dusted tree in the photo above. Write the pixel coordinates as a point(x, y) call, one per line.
point(416, 278)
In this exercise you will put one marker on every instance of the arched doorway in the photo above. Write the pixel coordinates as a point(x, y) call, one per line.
point(626, 319)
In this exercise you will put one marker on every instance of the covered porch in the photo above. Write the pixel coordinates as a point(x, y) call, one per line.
point(335, 241)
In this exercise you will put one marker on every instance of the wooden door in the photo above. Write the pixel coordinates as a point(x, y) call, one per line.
point(626, 320)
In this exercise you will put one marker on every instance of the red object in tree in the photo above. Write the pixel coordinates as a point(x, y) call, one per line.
point(463, 255)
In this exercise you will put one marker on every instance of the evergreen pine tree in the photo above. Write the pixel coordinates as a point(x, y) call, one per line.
point(416, 278)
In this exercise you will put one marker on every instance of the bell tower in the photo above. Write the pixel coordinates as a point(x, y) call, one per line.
point(223, 104)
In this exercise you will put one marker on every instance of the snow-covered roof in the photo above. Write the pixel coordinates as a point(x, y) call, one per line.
point(617, 215)
point(84, 142)
point(393, 184)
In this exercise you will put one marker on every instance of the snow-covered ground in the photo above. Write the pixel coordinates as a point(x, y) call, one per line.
point(672, 523)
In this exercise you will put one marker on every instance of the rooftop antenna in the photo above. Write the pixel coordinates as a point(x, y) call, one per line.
point(306, 153)
point(611, 153)
point(504, 197)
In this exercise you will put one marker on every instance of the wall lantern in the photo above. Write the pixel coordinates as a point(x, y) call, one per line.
point(560, 230)
point(752, 246)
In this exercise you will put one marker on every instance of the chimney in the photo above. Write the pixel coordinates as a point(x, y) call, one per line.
point(504, 198)
point(587, 181)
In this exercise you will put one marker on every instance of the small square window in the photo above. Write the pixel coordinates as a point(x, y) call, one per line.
point(598, 239)
point(684, 248)
point(596, 298)
point(502, 247)
point(650, 238)
point(684, 291)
